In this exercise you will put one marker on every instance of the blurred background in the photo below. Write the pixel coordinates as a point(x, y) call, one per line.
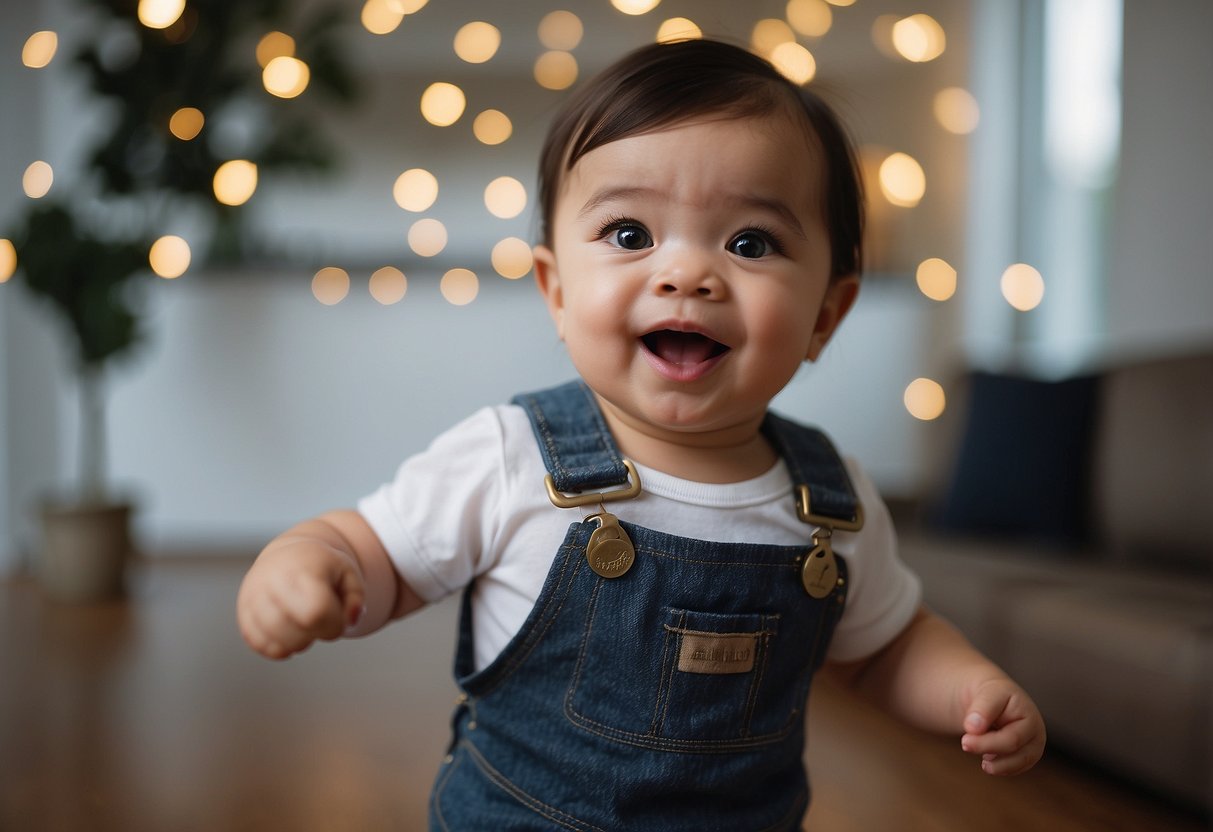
point(254, 254)
point(276, 377)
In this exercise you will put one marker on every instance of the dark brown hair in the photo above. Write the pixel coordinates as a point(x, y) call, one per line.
point(662, 84)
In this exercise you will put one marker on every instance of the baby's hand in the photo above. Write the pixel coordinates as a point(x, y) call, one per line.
point(1003, 726)
point(298, 590)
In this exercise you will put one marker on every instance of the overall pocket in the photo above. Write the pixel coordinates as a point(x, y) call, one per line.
point(685, 680)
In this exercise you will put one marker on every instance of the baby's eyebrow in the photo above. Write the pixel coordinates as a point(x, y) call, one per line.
point(774, 206)
point(615, 195)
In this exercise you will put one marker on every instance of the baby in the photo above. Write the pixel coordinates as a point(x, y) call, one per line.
point(702, 222)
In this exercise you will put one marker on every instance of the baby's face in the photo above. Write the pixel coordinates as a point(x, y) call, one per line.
point(689, 271)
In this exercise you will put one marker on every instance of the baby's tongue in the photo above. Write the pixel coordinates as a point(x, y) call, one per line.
point(681, 347)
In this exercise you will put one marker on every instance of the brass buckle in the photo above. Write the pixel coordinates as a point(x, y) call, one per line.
point(806, 515)
point(565, 501)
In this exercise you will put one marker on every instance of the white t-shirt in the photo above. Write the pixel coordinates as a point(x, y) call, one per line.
point(474, 506)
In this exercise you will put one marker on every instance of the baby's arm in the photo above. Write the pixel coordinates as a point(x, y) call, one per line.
point(322, 579)
point(932, 678)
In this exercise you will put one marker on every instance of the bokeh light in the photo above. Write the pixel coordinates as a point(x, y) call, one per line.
point(388, 285)
point(39, 49)
point(186, 123)
point(635, 6)
point(169, 257)
point(477, 42)
point(415, 190)
point(442, 104)
point(841, 2)
point(330, 285)
point(794, 62)
point(512, 258)
point(1022, 287)
point(556, 70)
point(37, 180)
point(811, 18)
point(382, 17)
point(902, 180)
point(919, 38)
point(427, 237)
point(492, 127)
point(235, 182)
point(505, 197)
point(678, 28)
point(459, 286)
point(407, 6)
point(956, 110)
point(160, 14)
point(769, 33)
point(925, 399)
point(8, 260)
point(561, 31)
point(936, 278)
point(285, 77)
point(274, 45)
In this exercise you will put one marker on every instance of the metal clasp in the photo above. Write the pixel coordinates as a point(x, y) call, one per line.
point(566, 501)
point(805, 512)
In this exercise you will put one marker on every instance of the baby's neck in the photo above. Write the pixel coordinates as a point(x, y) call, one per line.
point(733, 454)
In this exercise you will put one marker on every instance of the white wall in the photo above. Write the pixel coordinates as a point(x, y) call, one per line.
point(1160, 280)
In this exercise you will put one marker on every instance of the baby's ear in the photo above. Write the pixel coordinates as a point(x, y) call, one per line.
point(839, 298)
point(547, 278)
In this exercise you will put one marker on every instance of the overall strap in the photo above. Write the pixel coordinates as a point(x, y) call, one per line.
point(825, 496)
point(578, 449)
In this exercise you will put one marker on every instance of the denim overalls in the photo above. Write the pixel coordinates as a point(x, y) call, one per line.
point(670, 697)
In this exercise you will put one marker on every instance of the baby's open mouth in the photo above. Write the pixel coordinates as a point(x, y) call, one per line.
point(682, 347)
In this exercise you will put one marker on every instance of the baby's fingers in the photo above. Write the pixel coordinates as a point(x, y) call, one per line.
point(312, 606)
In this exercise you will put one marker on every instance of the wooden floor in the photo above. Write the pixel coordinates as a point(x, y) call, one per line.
point(152, 715)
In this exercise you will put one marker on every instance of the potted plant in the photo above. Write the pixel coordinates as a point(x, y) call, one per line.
point(86, 255)
point(87, 281)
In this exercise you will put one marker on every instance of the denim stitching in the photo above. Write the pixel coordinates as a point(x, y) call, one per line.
point(528, 800)
point(764, 645)
point(440, 787)
point(663, 687)
point(585, 638)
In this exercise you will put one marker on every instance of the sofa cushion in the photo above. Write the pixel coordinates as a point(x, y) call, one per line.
point(1153, 474)
point(1024, 459)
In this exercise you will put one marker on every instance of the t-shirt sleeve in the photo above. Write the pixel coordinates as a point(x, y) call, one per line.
point(884, 593)
point(439, 516)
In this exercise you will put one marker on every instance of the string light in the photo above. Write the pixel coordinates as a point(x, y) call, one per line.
point(919, 38)
point(505, 197)
point(442, 104)
point(1022, 287)
point(8, 260)
point(769, 33)
point(39, 49)
point(811, 18)
point(169, 257)
point(561, 31)
point(794, 62)
point(186, 123)
point(678, 28)
point(388, 285)
point(235, 182)
point(902, 180)
point(160, 14)
point(936, 279)
point(381, 17)
point(512, 258)
point(956, 110)
point(459, 286)
point(556, 70)
point(37, 180)
point(477, 42)
point(427, 237)
point(285, 77)
point(274, 45)
point(924, 399)
point(415, 190)
point(330, 285)
point(492, 127)
point(407, 6)
point(635, 7)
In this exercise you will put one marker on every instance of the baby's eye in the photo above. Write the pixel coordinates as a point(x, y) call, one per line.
point(628, 236)
point(752, 245)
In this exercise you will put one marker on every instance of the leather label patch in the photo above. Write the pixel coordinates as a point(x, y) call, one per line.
point(714, 653)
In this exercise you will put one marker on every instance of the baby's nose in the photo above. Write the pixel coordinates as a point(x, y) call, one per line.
point(691, 276)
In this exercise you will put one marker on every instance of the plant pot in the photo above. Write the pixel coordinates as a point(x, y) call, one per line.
point(85, 551)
